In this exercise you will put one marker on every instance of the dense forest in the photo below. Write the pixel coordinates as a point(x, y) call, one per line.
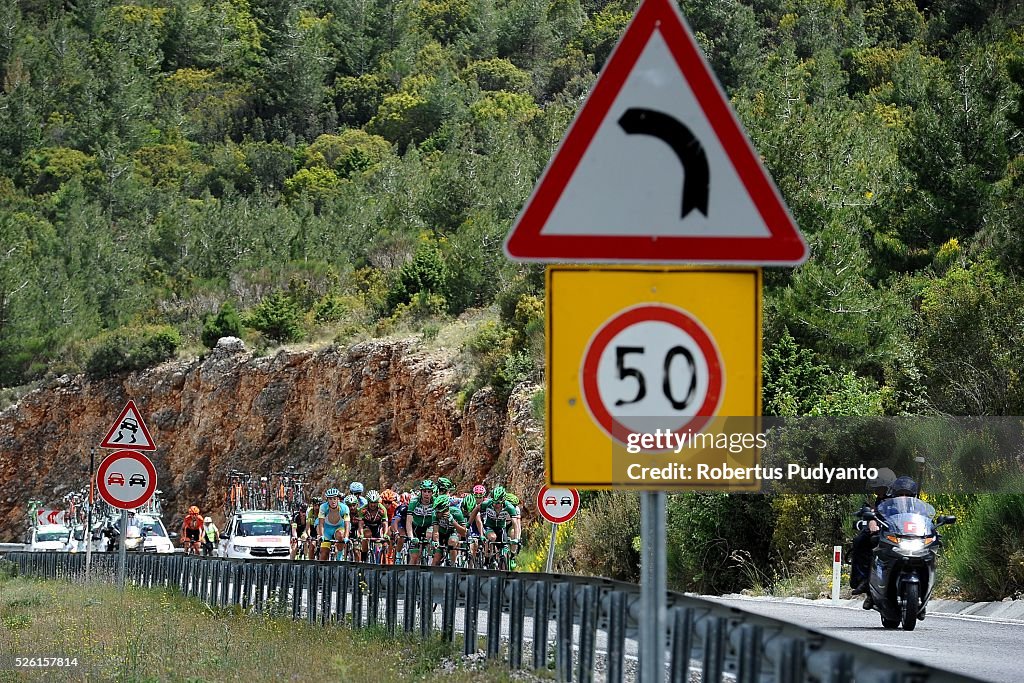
point(321, 169)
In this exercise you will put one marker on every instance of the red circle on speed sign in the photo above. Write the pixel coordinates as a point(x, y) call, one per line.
point(126, 479)
point(558, 505)
point(652, 366)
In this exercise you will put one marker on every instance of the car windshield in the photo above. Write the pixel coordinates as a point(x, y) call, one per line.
point(152, 527)
point(52, 536)
point(267, 527)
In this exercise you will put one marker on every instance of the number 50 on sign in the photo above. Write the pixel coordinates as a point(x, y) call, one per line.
point(634, 351)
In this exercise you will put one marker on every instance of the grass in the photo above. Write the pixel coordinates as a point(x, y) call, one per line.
point(158, 635)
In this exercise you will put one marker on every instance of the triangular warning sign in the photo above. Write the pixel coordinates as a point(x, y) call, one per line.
point(129, 431)
point(656, 167)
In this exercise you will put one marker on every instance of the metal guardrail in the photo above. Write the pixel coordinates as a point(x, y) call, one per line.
point(726, 641)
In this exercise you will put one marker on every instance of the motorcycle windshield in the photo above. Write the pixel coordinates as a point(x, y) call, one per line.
point(908, 516)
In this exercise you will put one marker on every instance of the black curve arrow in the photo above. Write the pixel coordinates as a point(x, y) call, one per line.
point(676, 135)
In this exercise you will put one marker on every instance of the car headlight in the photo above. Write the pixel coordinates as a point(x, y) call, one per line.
point(240, 548)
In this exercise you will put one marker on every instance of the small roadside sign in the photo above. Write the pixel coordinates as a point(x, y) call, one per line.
point(129, 431)
point(558, 505)
point(50, 516)
point(126, 479)
point(656, 167)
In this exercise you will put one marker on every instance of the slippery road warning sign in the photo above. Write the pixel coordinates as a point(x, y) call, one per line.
point(126, 479)
point(129, 431)
point(656, 167)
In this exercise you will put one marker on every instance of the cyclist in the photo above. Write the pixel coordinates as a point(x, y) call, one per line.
point(472, 530)
point(356, 489)
point(373, 522)
point(398, 527)
point(333, 522)
point(419, 519)
point(496, 515)
point(300, 530)
point(190, 529)
point(390, 501)
point(211, 536)
point(480, 491)
point(517, 522)
point(449, 528)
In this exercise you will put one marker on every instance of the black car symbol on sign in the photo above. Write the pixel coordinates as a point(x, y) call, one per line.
point(136, 479)
point(115, 478)
point(566, 500)
point(131, 425)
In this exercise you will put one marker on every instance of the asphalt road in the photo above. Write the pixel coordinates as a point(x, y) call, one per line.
point(988, 649)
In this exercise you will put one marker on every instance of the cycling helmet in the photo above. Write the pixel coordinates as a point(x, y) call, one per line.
point(479, 490)
point(388, 496)
point(428, 484)
point(372, 496)
point(903, 486)
point(512, 498)
point(193, 510)
point(498, 494)
point(351, 500)
point(445, 485)
point(442, 502)
point(208, 520)
point(332, 493)
point(468, 502)
point(355, 487)
point(883, 479)
point(406, 498)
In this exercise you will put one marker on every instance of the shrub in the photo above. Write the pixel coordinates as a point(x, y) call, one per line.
point(277, 318)
point(226, 323)
point(605, 533)
point(427, 272)
point(132, 349)
point(988, 555)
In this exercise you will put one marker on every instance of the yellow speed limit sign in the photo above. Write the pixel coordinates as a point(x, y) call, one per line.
point(653, 377)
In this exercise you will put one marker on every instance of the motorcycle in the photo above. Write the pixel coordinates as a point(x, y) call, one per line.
point(902, 572)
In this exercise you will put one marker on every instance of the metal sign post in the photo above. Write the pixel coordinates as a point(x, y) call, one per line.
point(551, 549)
point(121, 556)
point(653, 585)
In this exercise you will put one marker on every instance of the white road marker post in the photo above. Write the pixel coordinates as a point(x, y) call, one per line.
point(837, 571)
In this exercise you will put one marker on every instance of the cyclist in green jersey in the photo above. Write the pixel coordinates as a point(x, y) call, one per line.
point(473, 534)
point(496, 515)
point(419, 519)
point(449, 528)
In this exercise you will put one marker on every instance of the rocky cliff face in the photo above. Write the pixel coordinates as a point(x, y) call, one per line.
point(385, 411)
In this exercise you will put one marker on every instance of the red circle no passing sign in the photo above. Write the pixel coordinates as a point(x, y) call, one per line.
point(558, 505)
point(126, 479)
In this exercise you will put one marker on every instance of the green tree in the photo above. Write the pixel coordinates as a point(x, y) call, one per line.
point(226, 323)
point(277, 318)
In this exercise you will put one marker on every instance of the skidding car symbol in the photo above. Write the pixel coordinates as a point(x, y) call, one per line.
point(136, 479)
point(115, 478)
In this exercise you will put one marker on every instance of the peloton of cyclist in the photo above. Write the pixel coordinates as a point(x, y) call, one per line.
point(333, 522)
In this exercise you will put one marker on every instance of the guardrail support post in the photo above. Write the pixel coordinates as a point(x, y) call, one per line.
point(343, 589)
point(790, 667)
point(391, 602)
point(749, 665)
point(540, 624)
point(563, 632)
point(236, 583)
point(373, 599)
point(326, 587)
point(616, 636)
point(260, 580)
point(714, 648)
point(357, 598)
point(471, 614)
point(682, 644)
point(495, 597)
point(515, 631)
point(312, 592)
point(426, 604)
point(295, 581)
point(588, 633)
point(451, 589)
point(409, 601)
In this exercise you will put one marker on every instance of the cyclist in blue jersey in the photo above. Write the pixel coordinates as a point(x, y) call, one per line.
point(333, 522)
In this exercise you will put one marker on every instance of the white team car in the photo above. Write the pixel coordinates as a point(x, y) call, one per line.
point(152, 535)
point(257, 534)
point(49, 537)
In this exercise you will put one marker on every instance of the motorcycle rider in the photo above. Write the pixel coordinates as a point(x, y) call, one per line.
point(901, 486)
point(867, 533)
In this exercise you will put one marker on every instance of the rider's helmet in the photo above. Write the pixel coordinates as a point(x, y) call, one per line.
point(352, 500)
point(388, 496)
point(512, 498)
point(332, 493)
point(355, 488)
point(468, 503)
point(428, 485)
point(193, 510)
point(442, 503)
point(498, 494)
point(406, 498)
point(883, 479)
point(479, 490)
point(372, 496)
point(445, 485)
point(208, 520)
point(903, 486)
